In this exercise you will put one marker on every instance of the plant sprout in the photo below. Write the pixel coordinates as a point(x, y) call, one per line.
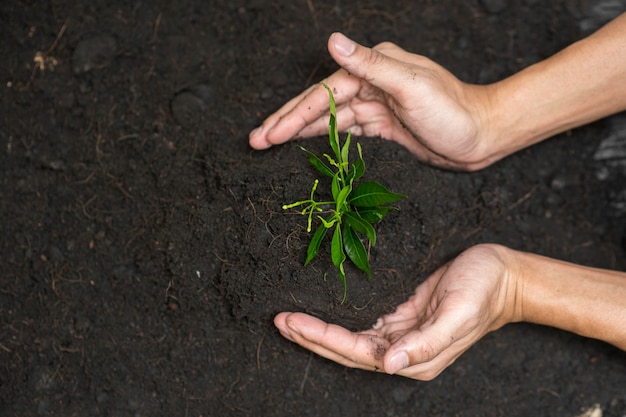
point(355, 207)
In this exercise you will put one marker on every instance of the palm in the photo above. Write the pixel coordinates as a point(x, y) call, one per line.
point(448, 313)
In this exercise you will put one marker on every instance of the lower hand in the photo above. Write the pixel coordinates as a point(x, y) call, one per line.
point(455, 307)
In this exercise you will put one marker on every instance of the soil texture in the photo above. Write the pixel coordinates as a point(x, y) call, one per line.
point(145, 251)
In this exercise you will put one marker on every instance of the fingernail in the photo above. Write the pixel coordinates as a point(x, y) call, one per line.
point(378, 324)
point(344, 45)
point(398, 362)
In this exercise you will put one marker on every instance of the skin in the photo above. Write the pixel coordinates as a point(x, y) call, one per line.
point(408, 98)
point(481, 290)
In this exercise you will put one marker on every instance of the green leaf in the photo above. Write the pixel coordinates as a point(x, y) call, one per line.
point(341, 198)
point(356, 250)
point(372, 194)
point(342, 278)
point(333, 134)
point(374, 214)
point(356, 206)
point(338, 256)
point(360, 225)
point(358, 168)
point(318, 163)
point(314, 245)
point(335, 187)
point(345, 152)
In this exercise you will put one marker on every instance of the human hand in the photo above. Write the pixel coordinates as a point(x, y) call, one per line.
point(401, 96)
point(456, 306)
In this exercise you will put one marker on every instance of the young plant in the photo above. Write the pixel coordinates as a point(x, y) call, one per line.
point(355, 206)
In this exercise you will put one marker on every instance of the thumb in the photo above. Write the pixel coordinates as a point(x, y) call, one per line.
point(416, 347)
point(369, 64)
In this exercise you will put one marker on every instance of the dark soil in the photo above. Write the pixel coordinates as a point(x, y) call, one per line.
point(144, 247)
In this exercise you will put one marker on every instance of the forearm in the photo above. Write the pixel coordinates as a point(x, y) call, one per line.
point(582, 83)
point(587, 301)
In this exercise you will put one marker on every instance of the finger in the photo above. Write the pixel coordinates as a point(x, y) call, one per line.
point(258, 137)
point(411, 313)
point(369, 64)
point(442, 334)
point(429, 369)
point(302, 110)
point(345, 121)
point(356, 350)
point(309, 117)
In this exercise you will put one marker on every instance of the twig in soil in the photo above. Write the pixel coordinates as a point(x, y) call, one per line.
point(99, 152)
point(120, 187)
point(295, 300)
point(58, 38)
point(311, 7)
point(83, 206)
point(258, 352)
point(364, 307)
point(312, 11)
point(232, 386)
point(253, 208)
point(523, 198)
point(256, 216)
point(86, 179)
point(223, 261)
point(171, 301)
point(157, 24)
point(134, 235)
point(549, 391)
point(306, 373)
point(294, 234)
point(126, 137)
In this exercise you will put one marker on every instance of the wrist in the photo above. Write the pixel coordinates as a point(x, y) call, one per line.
point(501, 276)
point(499, 115)
point(512, 287)
point(518, 114)
point(579, 299)
point(582, 83)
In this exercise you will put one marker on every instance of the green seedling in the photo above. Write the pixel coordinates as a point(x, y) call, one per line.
point(355, 206)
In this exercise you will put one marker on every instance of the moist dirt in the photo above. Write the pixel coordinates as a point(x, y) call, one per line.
point(145, 251)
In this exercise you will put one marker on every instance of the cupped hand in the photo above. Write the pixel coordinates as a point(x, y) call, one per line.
point(388, 92)
point(455, 307)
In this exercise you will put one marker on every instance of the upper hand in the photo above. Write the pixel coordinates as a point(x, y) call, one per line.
point(461, 302)
point(397, 95)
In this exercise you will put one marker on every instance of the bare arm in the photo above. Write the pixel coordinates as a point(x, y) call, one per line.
point(587, 301)
point(410, 99)
point(480, 291)
point(582, 83)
